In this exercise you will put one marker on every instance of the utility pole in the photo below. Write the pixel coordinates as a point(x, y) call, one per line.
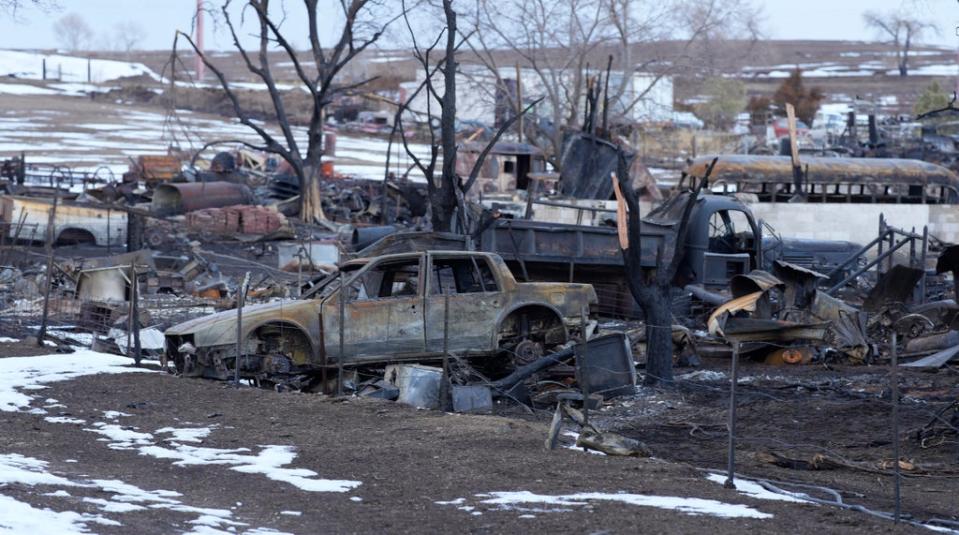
point(199, 68)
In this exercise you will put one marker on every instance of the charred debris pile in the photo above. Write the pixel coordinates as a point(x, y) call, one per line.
point(204, 266)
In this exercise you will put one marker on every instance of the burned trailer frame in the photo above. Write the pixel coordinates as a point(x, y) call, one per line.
point(832, 180)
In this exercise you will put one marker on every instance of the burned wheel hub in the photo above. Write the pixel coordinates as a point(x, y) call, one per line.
point(277, 364)
point(527, 351)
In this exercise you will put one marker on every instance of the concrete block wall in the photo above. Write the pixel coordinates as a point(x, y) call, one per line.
point(858, 223)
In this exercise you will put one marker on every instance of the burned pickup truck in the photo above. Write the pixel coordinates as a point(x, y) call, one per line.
point(723, 240)
point(402, 307)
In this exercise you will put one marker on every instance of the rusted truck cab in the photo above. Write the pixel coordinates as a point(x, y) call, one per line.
point(402, 307)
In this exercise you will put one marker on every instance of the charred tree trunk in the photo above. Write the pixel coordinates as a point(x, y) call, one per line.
point(657, 307)
point(651, 286)
point(443, 196)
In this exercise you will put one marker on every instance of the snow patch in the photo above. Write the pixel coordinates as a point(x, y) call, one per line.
point(121, 437)
point(755, 490)
point(23, 64)
point(125, 498)
point(32, 373)
point(64, 420)
point(185, 434)
point(24, 89)
point(270, 462)
point(544, 503)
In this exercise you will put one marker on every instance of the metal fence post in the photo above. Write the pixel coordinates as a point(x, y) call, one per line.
point(731, 454)
point(894, 377)
point(240, 298)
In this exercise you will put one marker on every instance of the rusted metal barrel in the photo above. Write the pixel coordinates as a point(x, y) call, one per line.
point(172, 199)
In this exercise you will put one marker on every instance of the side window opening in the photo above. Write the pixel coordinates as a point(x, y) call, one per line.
point(461, 275)
point(387, 280)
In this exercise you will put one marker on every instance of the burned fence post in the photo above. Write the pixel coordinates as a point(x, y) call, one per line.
point(894, 378)
point(923, 257)
point(445, 380)
point(48, 283)
point(581, 360)
point(135, 313)
point(731, 425)
point(342, 352)
point(240, 298)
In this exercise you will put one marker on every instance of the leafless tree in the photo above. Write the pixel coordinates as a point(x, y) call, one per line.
point(128, 36)
point(446, 190)
point(363, 23)
point(564, 43)
point(651, 282)
point(12, 6)
point(902, 29)
point(73, 32)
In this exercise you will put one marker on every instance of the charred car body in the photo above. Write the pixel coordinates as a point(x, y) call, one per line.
point(403, 307)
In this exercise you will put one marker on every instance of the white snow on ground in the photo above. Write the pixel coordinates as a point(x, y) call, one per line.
point(17, 517)
point(32, 373)
point(24, 89)
point(83, 339)
point(755, 490)
point(186, 434)
point(17, 469)
point(24, 64)
point(64, 420)
point(544, 503)
point(8, 340)
point(121, 133)
point(269, 462)
point(120, 437)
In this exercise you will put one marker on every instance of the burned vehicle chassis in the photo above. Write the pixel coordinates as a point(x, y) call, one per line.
point(394, 308)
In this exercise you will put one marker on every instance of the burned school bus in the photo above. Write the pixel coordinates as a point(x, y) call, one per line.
point(832, 180)
point(388, 309)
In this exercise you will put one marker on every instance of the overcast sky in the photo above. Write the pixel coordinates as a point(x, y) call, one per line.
point(784, 19)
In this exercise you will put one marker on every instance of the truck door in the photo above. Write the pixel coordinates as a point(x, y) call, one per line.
point(382, 313)
point(729, 251)
point(468, 285)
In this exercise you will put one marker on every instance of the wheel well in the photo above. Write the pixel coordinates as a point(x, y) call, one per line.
point(71, 236)
point(535, 320)
point(280, 337)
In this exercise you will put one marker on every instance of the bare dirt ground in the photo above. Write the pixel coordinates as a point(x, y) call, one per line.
point(407, 460)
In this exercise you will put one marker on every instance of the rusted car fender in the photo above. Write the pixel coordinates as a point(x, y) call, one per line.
point(314, 351)
point(220, 329)
point(516, 306)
